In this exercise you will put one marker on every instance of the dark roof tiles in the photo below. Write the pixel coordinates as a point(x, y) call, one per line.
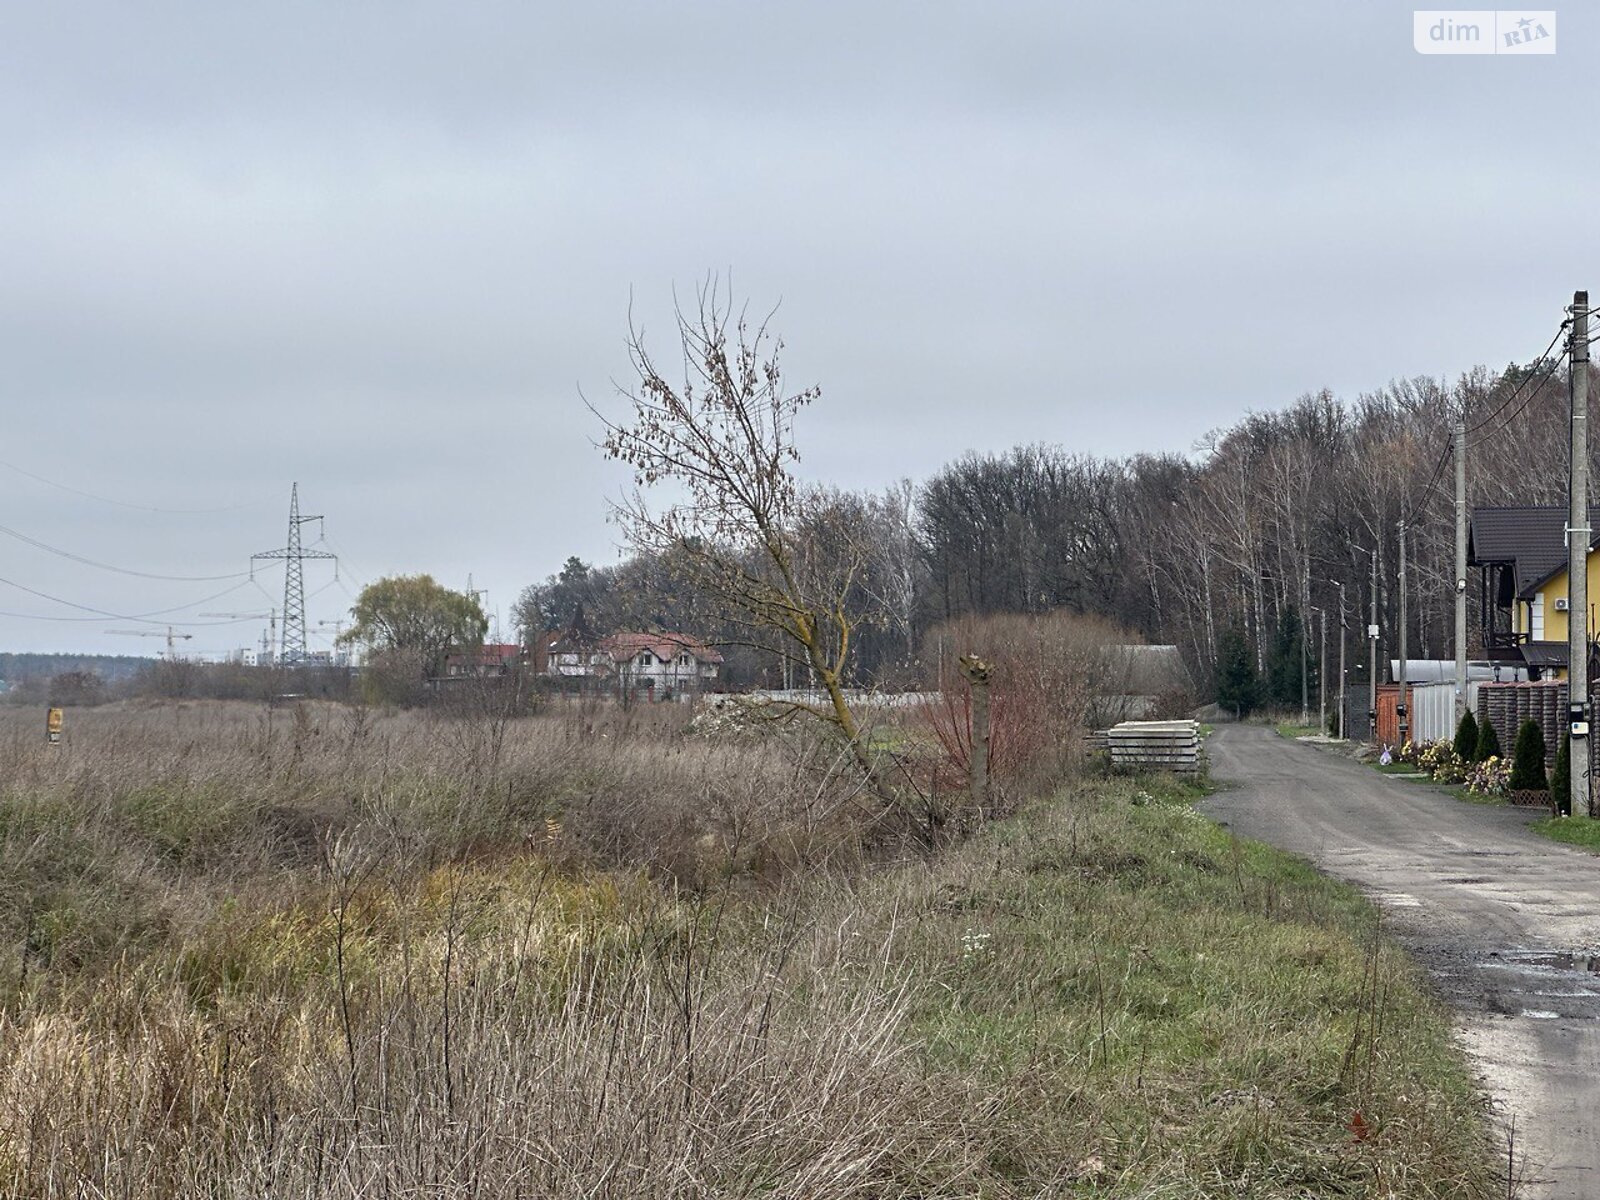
point(1531, 537)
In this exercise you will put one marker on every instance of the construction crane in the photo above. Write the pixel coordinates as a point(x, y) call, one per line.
point(269, 635)
point(172, 638)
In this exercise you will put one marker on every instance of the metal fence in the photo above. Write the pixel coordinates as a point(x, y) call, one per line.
point(1433, 710)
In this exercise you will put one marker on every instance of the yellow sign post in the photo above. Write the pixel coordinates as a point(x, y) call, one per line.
point(52, 727)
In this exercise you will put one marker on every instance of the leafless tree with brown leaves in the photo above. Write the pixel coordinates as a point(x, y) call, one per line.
point(775, 557)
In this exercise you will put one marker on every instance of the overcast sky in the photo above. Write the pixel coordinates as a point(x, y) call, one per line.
point(379, 248)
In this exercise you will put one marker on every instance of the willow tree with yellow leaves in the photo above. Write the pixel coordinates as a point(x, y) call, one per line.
point(713, 459)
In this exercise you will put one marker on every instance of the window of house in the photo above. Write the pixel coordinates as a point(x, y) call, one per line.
point(645, 660)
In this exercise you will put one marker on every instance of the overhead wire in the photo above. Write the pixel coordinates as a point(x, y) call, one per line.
point(245, 578)
point(1540, 369)
point(1550, 368)
point(79, 558)
point(1543, 357)
point(11, 466)
point(341, 562)
point(102, 614)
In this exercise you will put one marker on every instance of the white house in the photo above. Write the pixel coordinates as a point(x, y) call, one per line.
point(666, 663)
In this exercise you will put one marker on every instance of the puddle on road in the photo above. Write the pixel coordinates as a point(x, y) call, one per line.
point(1543, 985)
point(1550, 960)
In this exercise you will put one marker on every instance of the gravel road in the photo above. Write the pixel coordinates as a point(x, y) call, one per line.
point(1507, 923)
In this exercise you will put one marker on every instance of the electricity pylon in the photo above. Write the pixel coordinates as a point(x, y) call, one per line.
point(292, 649)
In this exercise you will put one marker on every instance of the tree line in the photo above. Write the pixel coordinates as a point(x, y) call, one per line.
point(1241, 542)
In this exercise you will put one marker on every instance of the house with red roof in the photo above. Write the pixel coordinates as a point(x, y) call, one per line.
point(664, 663)
point(486, 661)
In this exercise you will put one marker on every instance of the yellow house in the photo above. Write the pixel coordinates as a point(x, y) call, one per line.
point(1522, 553)
point(1542, 617)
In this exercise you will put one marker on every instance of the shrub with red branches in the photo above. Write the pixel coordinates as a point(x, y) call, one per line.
point(1046, 674)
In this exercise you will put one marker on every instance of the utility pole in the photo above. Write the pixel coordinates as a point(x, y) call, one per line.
point(1461, 567)
point(1322, 674)
point(1401, 709)
point(1304, 682)
point(1342, 677)
point(1578, 534)
point(1372, 656)
point(293, 652)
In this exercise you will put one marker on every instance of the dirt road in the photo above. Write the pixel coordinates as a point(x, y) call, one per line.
point(1507, 922)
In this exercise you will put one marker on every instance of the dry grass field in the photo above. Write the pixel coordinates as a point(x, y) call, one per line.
point(326, 951)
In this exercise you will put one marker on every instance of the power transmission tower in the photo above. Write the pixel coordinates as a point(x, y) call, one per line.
point(1578, 535)
point(292, 650)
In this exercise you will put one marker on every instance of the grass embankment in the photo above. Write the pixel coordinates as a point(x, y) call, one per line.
point(1175, 1013)
point(1574, 831)
point(342, 955)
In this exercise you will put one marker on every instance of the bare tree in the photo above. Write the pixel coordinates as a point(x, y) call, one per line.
point(775, 558)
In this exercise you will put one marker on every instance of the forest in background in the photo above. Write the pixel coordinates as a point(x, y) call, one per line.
point(1257, 526)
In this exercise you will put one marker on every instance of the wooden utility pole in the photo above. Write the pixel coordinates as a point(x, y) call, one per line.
point(1461, 568)
point(1578, 535)
point(1372, 656)
point(1401, 709)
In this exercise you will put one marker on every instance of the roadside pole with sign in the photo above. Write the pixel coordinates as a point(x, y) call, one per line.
point(52, 727)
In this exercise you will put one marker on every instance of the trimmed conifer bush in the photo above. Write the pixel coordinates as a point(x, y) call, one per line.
point(1527, 764)
point(1467, 738)
point(1488, 743)
point(1561, 778)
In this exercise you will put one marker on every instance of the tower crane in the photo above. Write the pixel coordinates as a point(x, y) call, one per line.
point(170, 635)
point(269, 635)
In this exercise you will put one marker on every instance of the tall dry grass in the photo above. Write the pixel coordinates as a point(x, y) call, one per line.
point(336, 953)
point(323, 951)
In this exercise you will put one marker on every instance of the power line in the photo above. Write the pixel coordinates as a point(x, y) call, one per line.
point(1535, 377)
point(101, 614)
point(1421, 496)
point(1534, 364)
point(1553, 365)
point(22, 616)
point(10, 466)
point(343, 564)
point(79, 558)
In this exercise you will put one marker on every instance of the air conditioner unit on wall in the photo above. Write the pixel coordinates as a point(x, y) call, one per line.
point(1561, 604)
